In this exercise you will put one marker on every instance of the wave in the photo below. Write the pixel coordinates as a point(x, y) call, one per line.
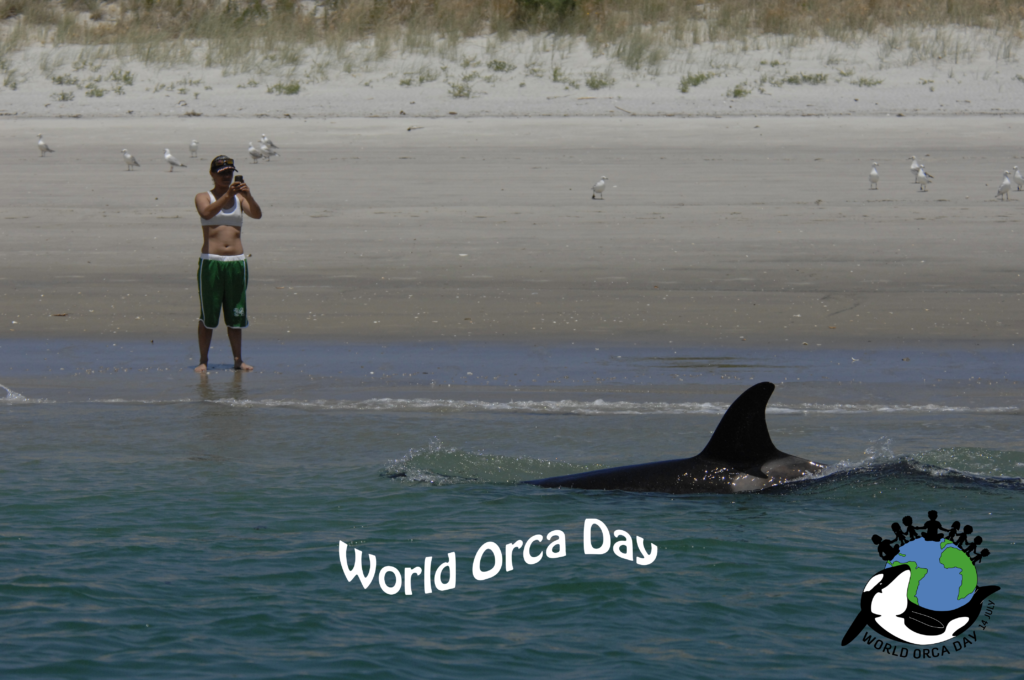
point(953, 464)
point(595, 407)
point(437, 464)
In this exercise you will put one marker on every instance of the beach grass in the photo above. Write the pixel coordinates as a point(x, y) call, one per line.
point(693, 80)
point(634, 29)
point(292, 40)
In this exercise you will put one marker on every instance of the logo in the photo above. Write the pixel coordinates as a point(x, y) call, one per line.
point(928, 592)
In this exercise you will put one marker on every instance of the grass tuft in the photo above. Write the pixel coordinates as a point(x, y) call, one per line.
point(560, 76)
point(596, 80)
point(867, 82)
point(693, 80)
point(284, 88)
point(121, 76)
point(460, 90)
point(500, 66)
point(806, 79)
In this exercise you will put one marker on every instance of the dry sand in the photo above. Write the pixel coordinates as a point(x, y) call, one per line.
point(712, 232)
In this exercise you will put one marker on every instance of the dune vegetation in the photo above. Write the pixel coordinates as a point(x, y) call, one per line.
point(306, 39)
point(635, 30)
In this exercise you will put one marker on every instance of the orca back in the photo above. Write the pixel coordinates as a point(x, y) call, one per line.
point(739, 457)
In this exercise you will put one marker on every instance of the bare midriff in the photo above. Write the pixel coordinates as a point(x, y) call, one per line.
point(222, 240)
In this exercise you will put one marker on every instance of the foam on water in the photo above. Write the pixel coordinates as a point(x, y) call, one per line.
point(971, 466)
point(571, 407)
point(439, 464)
point(13, 397)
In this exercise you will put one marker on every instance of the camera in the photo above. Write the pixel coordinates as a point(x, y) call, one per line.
point(239, 179)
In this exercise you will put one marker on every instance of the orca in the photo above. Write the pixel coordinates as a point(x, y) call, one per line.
point(739, 457)
point(884, 607)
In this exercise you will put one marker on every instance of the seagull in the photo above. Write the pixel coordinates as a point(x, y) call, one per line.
point(598, 188)
point(172, 160)
point(873, 176)
point(923, 178)
point(255, 153)
point(267, 152)
point(130, 159)
point(1018, 178)
point(914, 167)
point(266, 140)
point(193, 149)
point(43, 148)
point(1004, 188)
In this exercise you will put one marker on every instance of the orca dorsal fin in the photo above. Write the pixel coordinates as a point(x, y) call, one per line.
point(741, 439)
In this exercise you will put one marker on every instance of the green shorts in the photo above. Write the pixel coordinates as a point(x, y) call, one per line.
point(222, 283)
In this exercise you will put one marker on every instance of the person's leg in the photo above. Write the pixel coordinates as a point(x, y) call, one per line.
point(235, 338)
point(235, 317)
point(205, 336)
point(209, 310)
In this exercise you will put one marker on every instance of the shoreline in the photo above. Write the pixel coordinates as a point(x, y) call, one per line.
point(549, 377)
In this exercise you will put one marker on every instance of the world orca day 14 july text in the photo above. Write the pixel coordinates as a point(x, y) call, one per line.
point(392, 580)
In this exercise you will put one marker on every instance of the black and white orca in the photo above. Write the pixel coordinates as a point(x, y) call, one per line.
point(739, 457)
point(884, 607)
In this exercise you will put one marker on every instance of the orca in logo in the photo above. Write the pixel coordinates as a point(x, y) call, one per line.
point(885, 608)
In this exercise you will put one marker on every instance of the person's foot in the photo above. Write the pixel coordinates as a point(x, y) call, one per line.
point(242, 366)
point(201, 368)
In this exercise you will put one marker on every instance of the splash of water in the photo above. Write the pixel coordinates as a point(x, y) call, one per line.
point(440, 465)
point(13, 397)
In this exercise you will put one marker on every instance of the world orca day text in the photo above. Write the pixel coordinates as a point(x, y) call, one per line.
point(392, 580)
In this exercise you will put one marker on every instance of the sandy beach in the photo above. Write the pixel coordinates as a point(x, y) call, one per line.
point(711, 232)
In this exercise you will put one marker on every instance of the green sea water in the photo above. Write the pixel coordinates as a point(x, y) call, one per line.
point(154, 523)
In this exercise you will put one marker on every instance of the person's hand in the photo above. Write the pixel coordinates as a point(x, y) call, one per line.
point(240, 188)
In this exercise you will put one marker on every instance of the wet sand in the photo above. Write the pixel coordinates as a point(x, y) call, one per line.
point(713, 232)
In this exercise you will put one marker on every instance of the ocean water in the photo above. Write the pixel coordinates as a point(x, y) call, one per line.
point(155, 523)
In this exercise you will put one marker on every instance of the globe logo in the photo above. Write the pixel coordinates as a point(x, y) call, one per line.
point(928, 591)
point(942, 577)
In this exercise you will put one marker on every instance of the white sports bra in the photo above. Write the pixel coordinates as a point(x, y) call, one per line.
point(232, 218)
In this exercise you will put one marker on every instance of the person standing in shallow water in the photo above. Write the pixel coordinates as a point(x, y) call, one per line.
point(223, 272)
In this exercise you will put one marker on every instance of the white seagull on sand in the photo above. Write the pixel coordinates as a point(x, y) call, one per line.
point(172, 161)
point(923, 178)
point(266, 140)
point(873, 176)
point(193, 149)
point(130, 159)
point(267, 152)
point(43, 148)
point(914, 167)
point(598, 188)
point(1004, 188)
point(255, 153)
point(1018, 178)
